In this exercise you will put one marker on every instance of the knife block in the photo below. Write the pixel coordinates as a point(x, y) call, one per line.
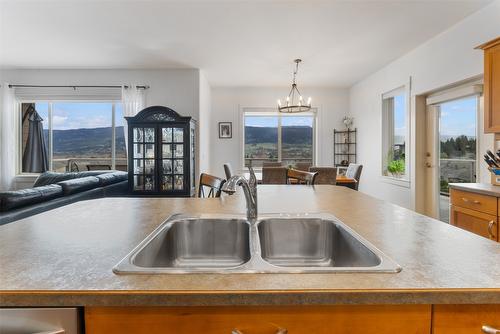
point(495, 176)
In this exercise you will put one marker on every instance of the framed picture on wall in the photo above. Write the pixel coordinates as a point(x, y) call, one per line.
point(225, 130)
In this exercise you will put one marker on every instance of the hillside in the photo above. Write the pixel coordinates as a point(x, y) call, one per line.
point(291, 135)
point(94, 142)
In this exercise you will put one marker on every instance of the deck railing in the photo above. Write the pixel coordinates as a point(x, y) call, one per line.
point(456, 171)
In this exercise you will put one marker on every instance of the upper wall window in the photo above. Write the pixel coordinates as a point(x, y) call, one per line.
point(395, 134)
point(274, 137)
point(65, 136)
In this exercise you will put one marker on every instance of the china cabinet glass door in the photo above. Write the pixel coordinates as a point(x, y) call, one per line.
point(144, 158)
point(172, 159)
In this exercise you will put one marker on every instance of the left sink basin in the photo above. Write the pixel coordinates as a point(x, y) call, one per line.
point(191, 245)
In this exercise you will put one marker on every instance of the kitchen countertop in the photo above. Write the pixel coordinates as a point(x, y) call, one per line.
point(65, 256)
point(480, 188)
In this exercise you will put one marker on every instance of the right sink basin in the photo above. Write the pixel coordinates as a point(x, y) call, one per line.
point(312, 242)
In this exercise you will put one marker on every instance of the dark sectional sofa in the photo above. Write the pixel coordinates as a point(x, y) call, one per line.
point(52, 190)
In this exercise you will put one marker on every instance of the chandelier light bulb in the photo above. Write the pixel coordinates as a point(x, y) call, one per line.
point(279, 103)
point(309, 101)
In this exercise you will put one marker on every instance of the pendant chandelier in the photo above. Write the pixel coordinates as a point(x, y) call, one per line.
point(294, 101)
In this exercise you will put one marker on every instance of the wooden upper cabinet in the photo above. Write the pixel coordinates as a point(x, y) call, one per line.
point(491, 85)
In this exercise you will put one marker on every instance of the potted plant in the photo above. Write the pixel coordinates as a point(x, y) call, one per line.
point(348, 120)
point(396, 167)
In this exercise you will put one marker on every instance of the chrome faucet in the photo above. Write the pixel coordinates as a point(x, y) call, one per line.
point(249, 188)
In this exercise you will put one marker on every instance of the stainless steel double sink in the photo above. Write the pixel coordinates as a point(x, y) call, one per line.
point(273, 244)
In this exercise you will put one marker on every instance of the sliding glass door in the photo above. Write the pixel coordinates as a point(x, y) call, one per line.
point(457, 147)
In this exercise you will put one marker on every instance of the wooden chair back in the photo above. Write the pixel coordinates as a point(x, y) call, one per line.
point(304, 166)
point(326, 175)
point(354, 172)
point(272, 164)
point(274, 175)
point(210, 186)
point(301, 177)
point(228, 170)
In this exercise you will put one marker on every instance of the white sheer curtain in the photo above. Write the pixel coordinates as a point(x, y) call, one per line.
point(8, 135)
point(133, 101)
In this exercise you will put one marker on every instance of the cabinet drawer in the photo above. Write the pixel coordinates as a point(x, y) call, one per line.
point(253, 320)
point(458, 319)
point(470, 200)
point(476, 222)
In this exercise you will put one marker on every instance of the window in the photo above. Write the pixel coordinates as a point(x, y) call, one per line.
point(77, 136)
point(272, 137)
point(395, 134)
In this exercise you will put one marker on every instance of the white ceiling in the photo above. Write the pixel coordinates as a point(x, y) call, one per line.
point(237, 43)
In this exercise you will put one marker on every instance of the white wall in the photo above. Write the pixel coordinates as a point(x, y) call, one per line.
point(446, 59)
point(177, 88)
point(184, 90)
point(204, 121)
point(332, 105)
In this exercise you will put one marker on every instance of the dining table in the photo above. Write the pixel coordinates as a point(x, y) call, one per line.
point(341, 179)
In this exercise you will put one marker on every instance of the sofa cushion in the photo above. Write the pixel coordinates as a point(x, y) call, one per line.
point(78, 185)
point(18, 198)
point(111, 178)
point(53, 177)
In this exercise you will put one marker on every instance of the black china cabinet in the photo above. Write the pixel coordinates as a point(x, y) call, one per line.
point(161, 153)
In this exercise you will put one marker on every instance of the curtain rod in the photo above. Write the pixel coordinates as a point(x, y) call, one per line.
point(76, 86)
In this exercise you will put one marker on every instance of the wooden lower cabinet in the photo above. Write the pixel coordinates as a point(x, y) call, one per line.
point(462, 319)
point(379, 319)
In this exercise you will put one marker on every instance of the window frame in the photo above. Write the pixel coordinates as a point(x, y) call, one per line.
point(50, 102)
point(387, 132)
point(271, 112)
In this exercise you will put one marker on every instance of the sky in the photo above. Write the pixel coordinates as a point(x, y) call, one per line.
point(459, 117)
point(399, 116)
point(272, 121)
point(67, 116)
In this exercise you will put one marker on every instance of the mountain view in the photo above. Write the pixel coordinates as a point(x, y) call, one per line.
point(87, 143)
point(262, 142)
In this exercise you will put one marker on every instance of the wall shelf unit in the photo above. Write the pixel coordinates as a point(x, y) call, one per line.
point(344, 147)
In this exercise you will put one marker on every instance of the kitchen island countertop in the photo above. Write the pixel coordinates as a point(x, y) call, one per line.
point(65, 256)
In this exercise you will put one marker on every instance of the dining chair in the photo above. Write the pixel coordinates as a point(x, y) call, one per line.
point(304, 166)
point(326, 175)
point(228, 170)
point(211, 183)
point(274, 175)
point(272, 164)
point(354, 172)
point(300, 176)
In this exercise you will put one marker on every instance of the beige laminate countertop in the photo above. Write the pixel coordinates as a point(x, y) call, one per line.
point(480, 188)
point(65, 256)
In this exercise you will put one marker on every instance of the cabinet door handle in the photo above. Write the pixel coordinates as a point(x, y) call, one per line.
point(466, 200)
point(490, 229)
point(490, 330)
point(236, 331)
point(55, 331)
